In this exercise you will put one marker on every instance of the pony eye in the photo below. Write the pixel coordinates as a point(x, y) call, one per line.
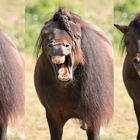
point(67, 45)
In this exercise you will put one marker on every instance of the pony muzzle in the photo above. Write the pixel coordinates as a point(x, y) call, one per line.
point(136, 60)
point(136, 63)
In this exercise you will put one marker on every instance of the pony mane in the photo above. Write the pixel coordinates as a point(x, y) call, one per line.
point(136, 21)
point(92, 40)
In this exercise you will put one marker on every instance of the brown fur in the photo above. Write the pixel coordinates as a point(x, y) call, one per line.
point(131, 66)
point(89, 97)
point(11, 83)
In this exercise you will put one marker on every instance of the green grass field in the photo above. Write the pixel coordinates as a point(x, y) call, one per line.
point(33, 125)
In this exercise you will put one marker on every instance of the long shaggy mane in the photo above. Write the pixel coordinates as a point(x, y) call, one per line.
point(11, 96)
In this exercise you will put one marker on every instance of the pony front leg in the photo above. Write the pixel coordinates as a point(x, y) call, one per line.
point(93, 134)
point(137, 112)
point(55, 127)
point(3, 130)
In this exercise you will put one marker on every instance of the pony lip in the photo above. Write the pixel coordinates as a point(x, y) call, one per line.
point(58, 59)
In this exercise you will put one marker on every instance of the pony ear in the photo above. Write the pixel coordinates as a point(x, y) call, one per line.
point(123, 28)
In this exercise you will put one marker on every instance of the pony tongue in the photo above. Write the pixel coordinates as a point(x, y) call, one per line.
point(63, 70)
point(58, 59)
point(63, 73)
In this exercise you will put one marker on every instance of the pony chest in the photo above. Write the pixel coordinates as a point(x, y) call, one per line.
point(64, 98)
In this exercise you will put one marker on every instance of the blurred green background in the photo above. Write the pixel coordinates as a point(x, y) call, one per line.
point(12, 20)
point(22, 21)
point(99, 12)
point(124, 12)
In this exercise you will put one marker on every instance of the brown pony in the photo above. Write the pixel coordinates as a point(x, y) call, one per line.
point(74, 74)
point(131, 66)
point(11, 84)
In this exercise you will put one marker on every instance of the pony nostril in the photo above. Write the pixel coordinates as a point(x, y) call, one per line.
point(50, 45)
point(136, 60)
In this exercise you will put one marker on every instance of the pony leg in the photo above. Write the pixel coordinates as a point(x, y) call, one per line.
point(93, 135)
point(3, 130)
point(137, 111)
point(56, 129)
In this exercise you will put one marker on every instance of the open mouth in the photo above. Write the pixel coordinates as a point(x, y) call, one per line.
point(63, 64)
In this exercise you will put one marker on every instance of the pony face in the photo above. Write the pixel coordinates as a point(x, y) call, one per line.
point(132, 41)
point(61, 48)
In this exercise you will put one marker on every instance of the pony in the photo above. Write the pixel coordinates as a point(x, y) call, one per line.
point(74, 74)
point(131, 66)
point(11, 84)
